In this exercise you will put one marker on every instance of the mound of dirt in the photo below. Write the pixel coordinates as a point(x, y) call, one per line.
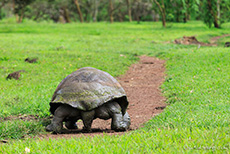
point(141, 83)
point(187, 40)
point(15, 75)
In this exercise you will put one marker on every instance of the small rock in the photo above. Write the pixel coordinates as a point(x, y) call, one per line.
point(4, 141)
point(15, 75)
point(227, 44)
point(60, 48)
point(160, 107)
point(31, 60)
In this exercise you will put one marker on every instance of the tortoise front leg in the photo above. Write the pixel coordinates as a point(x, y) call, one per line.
point(60, 114)
point(127, 120)
point(87, 118)
point(56, 125)
point(120, 122)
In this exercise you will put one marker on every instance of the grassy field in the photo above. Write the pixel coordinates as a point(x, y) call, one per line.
point(196, 85)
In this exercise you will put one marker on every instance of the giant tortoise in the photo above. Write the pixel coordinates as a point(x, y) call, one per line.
point(87, 94)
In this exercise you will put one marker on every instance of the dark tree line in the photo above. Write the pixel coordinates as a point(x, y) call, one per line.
point(212, 12)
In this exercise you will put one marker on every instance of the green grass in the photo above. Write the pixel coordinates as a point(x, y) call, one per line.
point(196, 85)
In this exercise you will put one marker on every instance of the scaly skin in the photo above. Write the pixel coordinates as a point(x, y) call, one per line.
point(70, 115)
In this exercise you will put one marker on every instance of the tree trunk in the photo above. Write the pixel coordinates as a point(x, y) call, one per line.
point(164, 15)
point(16, 14)
point(177, 15)
point(188, 9)
point(185, 17)
point(216, 25)
point(120, 15)
point(216, 22)
point(162, 10)
point(96, 3)
point(111, 11)
point(138, 16)
point(66, 14)
point(78, 10)
point(129, 10)
point(2, 4)
point(218, 9)
point(21, 15)
point(88, 10)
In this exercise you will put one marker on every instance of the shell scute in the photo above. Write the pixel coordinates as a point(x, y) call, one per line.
point(87, 89)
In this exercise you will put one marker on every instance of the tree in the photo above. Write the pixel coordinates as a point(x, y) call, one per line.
point(19, 10)
point(95, 10)
point(213, 10)
point(78, 10)
point(65, 14)
point(162, 10)
point(129, 10)
point(2, 4)
point(210, 13)
point(223, 11)
point(191, 8)
point(111, 10)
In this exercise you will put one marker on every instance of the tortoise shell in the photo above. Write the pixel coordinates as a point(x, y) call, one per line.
point(88, 88)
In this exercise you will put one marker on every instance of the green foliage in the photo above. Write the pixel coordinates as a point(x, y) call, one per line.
point(181, 10)
point(2, 14)
point(42, 10)
point(20, 5)
point(196, 85)
point(97, 10)
point(208, 15)
point(218, 9)
point(224, 11)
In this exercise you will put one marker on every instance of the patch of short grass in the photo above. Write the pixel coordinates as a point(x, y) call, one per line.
point(152, 141)
point(223, 40)
point(197, 87)
point(18, 129)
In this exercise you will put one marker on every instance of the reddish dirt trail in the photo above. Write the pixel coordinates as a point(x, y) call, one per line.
point(214, 39)
point(141, 83)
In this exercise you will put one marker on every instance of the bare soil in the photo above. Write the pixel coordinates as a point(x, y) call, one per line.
point(141, 83)
point(187, 40)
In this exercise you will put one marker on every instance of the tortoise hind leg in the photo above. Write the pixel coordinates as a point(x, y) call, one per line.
point(60, 114)
point(71, 125)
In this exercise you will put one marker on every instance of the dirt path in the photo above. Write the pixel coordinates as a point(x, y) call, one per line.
point(214, 39)
point(141, 83)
